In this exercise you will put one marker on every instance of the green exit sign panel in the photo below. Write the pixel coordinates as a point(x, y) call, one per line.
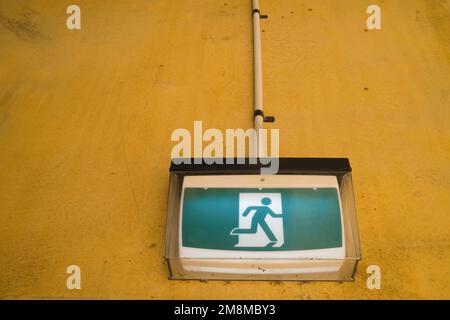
point(261, 219)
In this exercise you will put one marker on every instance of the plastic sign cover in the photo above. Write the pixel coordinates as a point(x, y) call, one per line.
point(246, 216)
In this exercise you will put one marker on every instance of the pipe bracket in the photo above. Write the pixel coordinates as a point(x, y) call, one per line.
point(259, 112)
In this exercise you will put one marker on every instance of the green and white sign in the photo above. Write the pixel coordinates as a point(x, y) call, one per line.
point(261, 219)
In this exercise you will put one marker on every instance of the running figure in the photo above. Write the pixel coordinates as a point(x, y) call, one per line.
point(259, 218)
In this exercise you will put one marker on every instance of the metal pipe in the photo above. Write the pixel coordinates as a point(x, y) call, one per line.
point(257, 67)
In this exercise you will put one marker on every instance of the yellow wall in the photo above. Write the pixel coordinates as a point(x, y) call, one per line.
point(86, 118)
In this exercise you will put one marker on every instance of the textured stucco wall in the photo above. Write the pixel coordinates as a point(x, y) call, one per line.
point(86, 118)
